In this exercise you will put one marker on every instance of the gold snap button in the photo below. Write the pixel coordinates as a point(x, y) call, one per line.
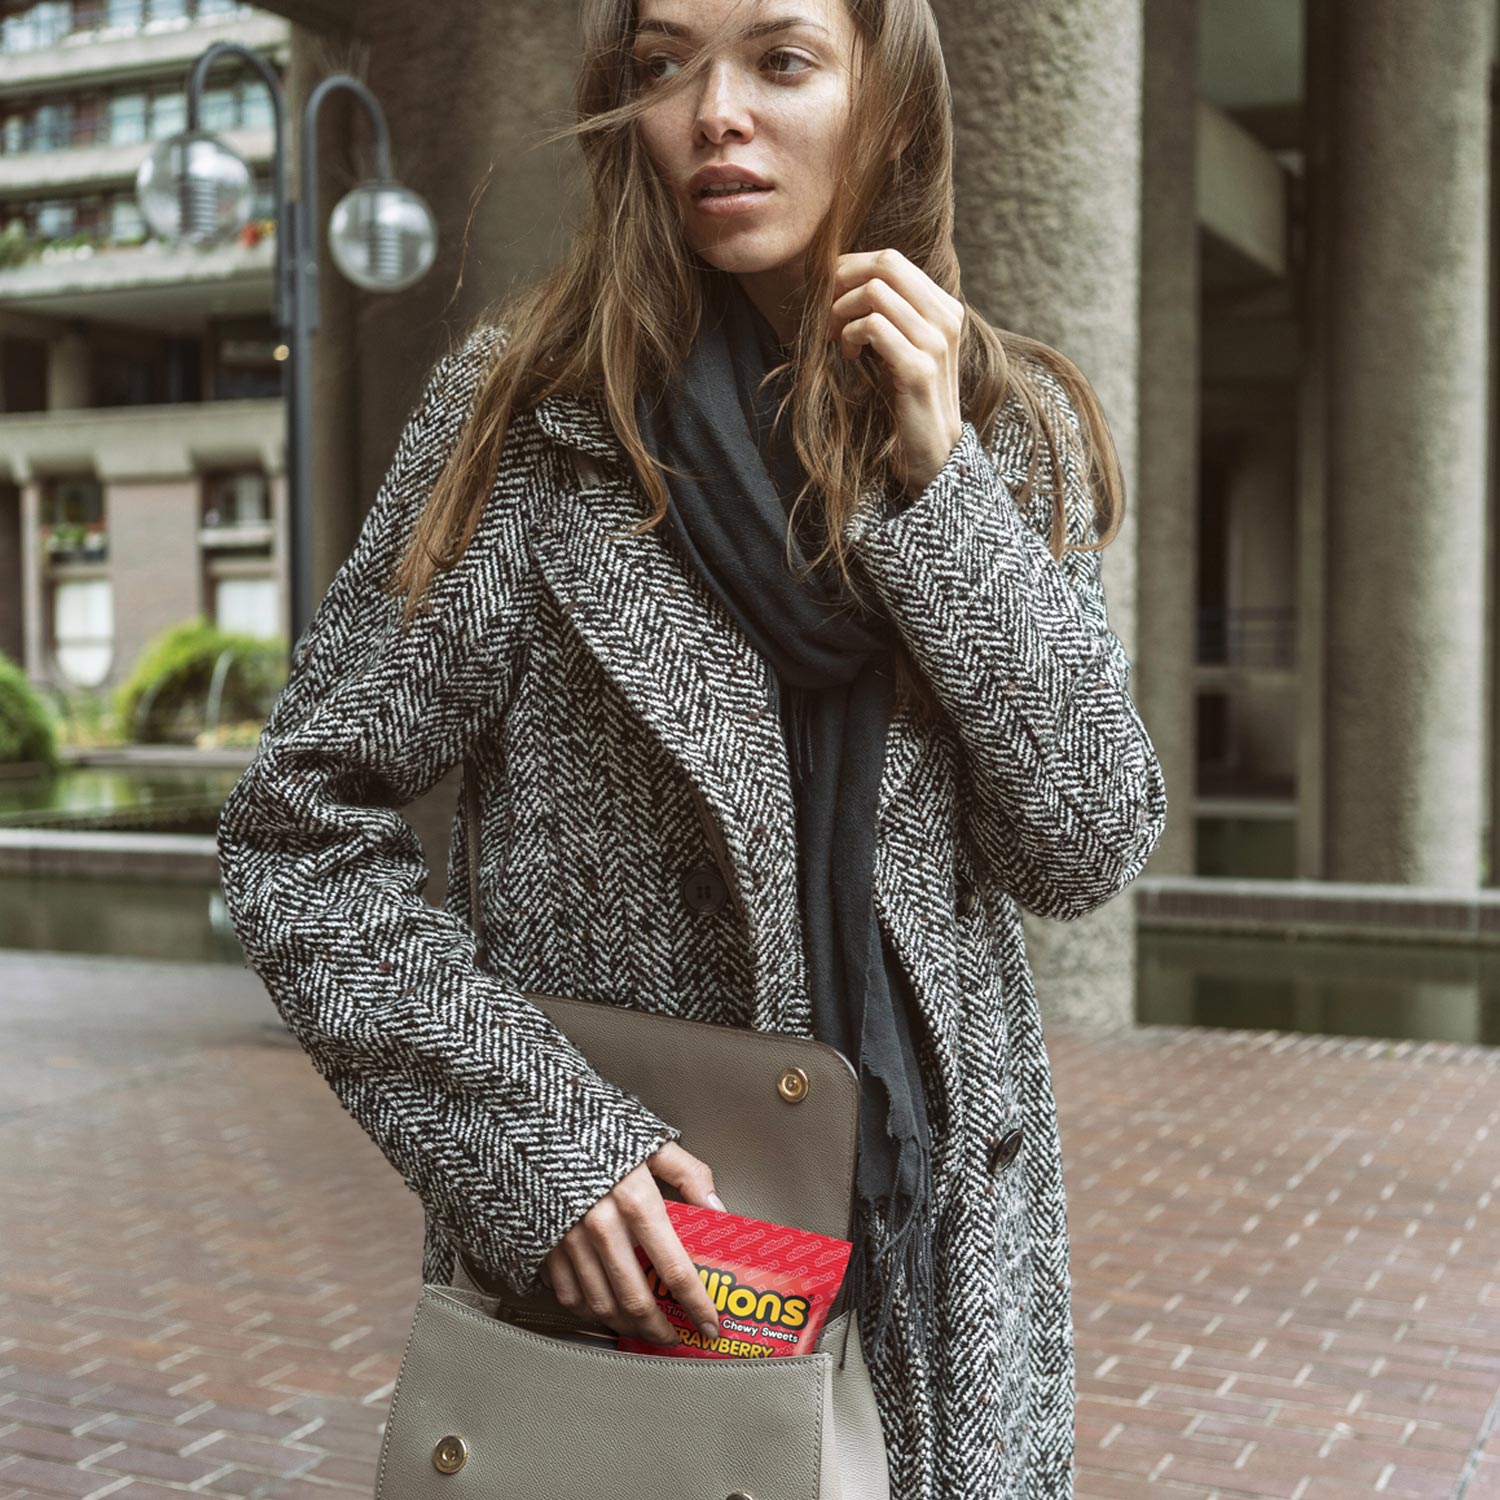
point(449, 1455)
point(792, 1086)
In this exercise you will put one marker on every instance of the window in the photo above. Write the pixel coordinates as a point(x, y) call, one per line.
point(250, 606)
point(83, 639)
point(237, 550)
point(168, 113)
point(43, 25)
point(127, 377)
point(242, 105)
point(56, 218)
point(245, 363)
point(256, 112)
point(52, 126)
point(126, 225)
point(73, 520)
point(90, 119)
point(220, 107)
point(124, 15)
point(236, 500)
point(263, 205)
point(127, 119)
point(73, 501)
point(23, 373)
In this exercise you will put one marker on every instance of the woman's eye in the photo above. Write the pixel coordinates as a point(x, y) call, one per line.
point(795, 57)
point(646, 65)
point(643, 65)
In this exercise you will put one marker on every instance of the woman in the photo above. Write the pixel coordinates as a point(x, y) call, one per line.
point(778, 723)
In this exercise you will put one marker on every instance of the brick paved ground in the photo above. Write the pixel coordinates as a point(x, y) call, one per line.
point(1286, 1255)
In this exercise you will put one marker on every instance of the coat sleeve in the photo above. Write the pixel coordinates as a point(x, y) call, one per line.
point(485, 1107)
point(1067, 795)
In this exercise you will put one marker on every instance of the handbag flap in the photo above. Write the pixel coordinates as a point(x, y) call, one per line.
point(775, 1116)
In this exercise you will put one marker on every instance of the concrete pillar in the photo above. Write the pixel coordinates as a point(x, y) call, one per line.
point(1166, 498)
point(1408, 179)
point(33, 586)
point(154, 563)
point(12, 615)
point(1315, 294)
point(1048, 115)
point(1492, 550)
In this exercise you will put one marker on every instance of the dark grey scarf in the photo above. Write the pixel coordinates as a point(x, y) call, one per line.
point(728, 518)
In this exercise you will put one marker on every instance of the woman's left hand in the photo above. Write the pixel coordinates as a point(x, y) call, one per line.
point(895, 308)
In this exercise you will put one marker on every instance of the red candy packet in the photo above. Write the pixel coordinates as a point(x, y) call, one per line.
point(772, 1284)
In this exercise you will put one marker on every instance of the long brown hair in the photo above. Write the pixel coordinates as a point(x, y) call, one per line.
point(623, 304)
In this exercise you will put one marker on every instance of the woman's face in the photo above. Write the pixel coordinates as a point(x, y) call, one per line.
point(772, 104)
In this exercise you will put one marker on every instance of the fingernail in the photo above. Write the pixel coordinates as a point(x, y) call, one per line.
point(715, 1201)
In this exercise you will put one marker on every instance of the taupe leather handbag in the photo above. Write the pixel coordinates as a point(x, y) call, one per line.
point(501, 1396)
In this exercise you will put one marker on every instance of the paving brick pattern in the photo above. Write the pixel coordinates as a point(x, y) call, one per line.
point(1286, 1263)
point(1286, 1255)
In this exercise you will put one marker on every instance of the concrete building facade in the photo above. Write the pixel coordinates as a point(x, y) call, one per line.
point(141, 422)
point(1262, 228)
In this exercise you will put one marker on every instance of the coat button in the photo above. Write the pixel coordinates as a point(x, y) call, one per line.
point(1004, 1150)
point(704, 888)
point(966, 896)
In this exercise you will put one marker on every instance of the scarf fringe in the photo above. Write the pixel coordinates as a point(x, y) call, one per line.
point(800, 735)
point(903, 1261)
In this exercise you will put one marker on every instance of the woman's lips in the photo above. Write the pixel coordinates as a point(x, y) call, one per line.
point(722, 204)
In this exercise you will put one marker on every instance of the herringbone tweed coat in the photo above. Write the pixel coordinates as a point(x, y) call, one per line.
point(625, 734)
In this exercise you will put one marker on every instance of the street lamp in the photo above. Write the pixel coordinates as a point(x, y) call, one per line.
point(195, 189)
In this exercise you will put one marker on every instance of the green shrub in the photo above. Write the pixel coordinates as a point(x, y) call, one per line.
point(85, 718)
point(25, 725)
point(16, 245)
point(166, 695)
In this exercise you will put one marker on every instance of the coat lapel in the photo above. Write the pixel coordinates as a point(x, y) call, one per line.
point(690, 672)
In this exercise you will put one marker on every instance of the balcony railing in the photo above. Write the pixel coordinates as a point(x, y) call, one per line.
point(235, 536)
point(38, 136)
point(75, 542)
point(41, 28)
point(17, 247)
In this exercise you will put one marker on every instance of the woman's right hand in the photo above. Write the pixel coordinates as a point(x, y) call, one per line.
point(594, 1265)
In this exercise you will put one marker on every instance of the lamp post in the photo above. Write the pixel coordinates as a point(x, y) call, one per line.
point(196, 189)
